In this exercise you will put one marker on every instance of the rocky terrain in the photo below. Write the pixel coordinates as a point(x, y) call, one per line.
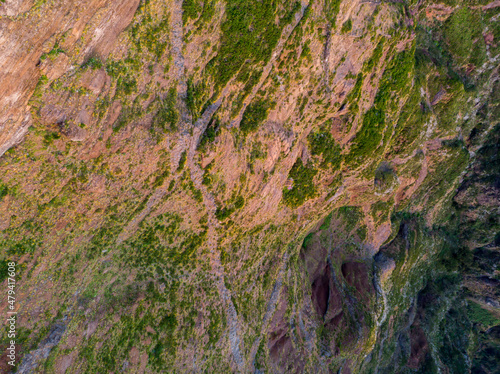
point(254, 186)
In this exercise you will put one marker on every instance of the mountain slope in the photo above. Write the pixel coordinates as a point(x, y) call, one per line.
point(251, 186)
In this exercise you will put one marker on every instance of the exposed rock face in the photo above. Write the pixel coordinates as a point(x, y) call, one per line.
point(251, 186)
point(27, 31)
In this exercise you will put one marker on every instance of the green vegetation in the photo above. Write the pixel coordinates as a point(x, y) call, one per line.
point(15, 247)
point(256, 153)
point(464, 37)
point(346, 27)
point(149, 35)
point(235, 204)
point(4, 190)
point(250, 77)
point(182, 161)
point(395, 78)
point(385, 177)
point(126, 85)
point(380, 211)
point(161, 241)
point(303, 185)
point(249, 34)
point(50, 136)
point(42, 81)
point(323, 145)
point(373, 61)
point(332, 8)
point(210, 133)
point(54, 52)
point(93, 62)
point(4, 270)
point(350, 216)
point(127, 115)
point(196, 97)
point(167, 116)
point(326, 222)
point(254, 115)
point(192, 9)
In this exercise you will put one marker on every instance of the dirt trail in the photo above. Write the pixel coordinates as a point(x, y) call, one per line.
point(189, 143)
point(197, 176)
point(271, 307)
point(217, 268)
point(179, 70)
point(134, 223)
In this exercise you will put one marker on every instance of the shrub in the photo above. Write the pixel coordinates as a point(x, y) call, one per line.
point(346, 27)
point(323, 145)
point(182, 161)
point(482, 316)
point(253, 116)
point(93, 63)
point(249, 35)
point(210, 133)
point(167, 116)
point(4, 270)
point(384, 177)
point(4, 190)
point(224, 212)
point(303, 185)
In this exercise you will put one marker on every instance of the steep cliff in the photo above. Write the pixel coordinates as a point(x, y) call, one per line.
point(251, 186)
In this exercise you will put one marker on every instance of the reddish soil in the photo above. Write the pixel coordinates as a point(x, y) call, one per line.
point(419, 347)
point(356, 274)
